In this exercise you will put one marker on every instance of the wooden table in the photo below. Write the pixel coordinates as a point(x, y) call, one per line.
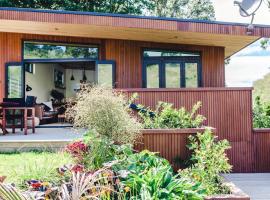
point(24, 110)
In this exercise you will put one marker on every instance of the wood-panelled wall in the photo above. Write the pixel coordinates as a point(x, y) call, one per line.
point(262, 149)
point(226, 109)
point(170, 144)
point(127, 54)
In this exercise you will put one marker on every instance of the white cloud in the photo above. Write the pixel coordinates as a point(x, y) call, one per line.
point(254, 49)
point(226, 11)
point(243, 71)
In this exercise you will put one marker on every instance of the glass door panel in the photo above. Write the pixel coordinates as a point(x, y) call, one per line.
point(191, 75)
point(152, 76)
point(14, 80)
point(173, 75)
point(105, 73)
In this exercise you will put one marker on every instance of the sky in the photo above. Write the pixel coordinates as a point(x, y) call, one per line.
point(252, 63)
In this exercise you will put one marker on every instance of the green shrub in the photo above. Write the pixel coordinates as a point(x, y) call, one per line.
point(209, 160)
point(147, 176)
point(165, 116)
point(102, 150)
point(261, 114)
point(107, 113)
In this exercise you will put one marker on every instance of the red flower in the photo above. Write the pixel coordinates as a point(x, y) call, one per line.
point(77, 149)
point(77, 168)
point(36, 185)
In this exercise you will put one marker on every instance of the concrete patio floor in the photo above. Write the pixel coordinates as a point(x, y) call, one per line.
point(45, 138)
point(256, 185)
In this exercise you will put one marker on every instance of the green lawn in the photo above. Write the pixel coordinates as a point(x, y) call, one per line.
point(20, 167)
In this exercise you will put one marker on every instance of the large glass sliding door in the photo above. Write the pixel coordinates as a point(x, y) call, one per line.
point(14, 80)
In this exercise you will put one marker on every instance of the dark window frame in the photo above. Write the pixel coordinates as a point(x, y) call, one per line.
point(162, 60)
point(10, 64)
point(113, 63)
point(29, 67)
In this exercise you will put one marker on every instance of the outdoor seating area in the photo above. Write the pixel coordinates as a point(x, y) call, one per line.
point(15, 113)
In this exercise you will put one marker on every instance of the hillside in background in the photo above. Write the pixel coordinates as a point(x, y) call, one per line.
point(262, 88)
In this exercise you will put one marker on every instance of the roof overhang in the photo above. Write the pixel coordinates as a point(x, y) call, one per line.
point(96, 25)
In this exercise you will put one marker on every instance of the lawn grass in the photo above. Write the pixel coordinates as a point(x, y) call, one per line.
point(20, 167)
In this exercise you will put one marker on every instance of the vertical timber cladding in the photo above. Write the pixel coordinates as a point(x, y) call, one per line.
point(128, 57)
point(229, 110)
point(127, 54)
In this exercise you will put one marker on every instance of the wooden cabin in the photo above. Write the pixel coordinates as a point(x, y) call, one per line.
point(162, 59)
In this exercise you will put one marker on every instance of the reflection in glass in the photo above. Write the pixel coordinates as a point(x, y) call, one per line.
point(152, 73)
point(105, 75)
point(14, 82)
point(191, 75)
point(39, 50)
point(172, 71)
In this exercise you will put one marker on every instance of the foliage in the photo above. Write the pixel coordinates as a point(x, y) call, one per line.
point(22, 167)
point(210, 160)
point(103, 150)
point(262, 89)
point(265, 42)
point(187, 9)
point(8, 192)
point(96, 185)
point(165, 116)
point(111, 6)
point(106, 112)
point(95, 150)
point(78, 150)
point(261, 114)
point(147, 176)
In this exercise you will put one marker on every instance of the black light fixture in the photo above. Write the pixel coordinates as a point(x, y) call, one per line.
point(84, 76)
point(28, 88)
point(72, 77)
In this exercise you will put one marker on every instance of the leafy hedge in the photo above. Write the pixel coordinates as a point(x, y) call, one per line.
point(166, 116)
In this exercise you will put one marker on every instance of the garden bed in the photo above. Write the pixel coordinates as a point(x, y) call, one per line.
point(236, 194)
point(175, 141)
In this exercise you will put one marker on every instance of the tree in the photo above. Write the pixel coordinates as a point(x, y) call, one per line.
point(262, 89)
point(186, 9)
point(111, 6)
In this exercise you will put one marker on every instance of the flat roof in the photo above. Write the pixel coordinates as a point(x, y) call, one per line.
point(232, 36)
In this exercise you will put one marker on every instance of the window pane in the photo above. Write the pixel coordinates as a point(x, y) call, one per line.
point(105, 75)
point(15, 87)
point(152, 76)
point(172, 71)
point(165, 53)
point(38, 50)
point(191, 75)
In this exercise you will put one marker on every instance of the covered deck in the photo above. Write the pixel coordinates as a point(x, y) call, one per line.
point(45, 138)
